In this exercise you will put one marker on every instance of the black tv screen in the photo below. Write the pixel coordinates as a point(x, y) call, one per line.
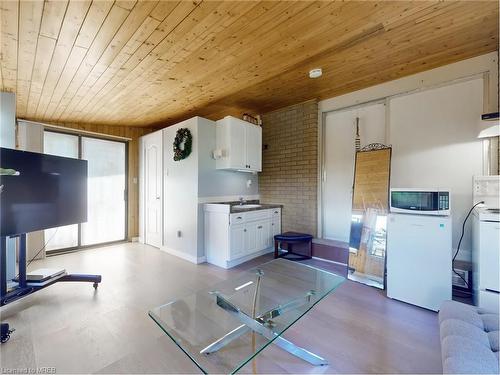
point(40, 191)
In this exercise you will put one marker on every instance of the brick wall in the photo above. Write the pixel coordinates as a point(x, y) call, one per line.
point(289, 164)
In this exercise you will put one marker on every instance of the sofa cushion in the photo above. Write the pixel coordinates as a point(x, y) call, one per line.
point(458, 365)
point(455, 327)
point(490, 322)
point(460, 311)
point(493, 338)
point(462, 355)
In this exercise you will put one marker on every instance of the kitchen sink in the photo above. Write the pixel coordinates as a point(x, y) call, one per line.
point(246, 206)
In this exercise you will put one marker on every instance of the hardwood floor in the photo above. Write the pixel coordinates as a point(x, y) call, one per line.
point(76, 330)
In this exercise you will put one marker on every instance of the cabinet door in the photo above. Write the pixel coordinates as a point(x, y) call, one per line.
point(263, 235)
point(251, 238)
point(238, 148)
point(254, 147)
point(237, 247)
point(489, 256)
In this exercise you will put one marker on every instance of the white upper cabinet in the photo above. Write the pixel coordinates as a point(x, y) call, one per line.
point(240, 145)
point(254, 147)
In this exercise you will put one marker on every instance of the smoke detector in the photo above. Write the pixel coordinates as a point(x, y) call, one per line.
point(315, 73)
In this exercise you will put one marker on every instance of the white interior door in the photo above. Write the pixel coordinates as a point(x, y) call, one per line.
point(153, 198)
point(338, 157)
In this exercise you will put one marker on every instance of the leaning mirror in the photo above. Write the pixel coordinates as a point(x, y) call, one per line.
point(370, 202)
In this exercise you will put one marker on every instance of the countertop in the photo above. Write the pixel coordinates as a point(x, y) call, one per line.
point(263, 206)
point(232, 205)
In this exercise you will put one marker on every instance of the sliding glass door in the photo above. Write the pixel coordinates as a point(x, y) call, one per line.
point(61, 145)
point(106, 191)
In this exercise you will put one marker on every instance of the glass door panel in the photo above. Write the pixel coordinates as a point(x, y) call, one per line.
point(66, 145)
point(106, 191)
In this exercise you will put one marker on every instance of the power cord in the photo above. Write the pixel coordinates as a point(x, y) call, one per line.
point(39, 251)
point(460, 242)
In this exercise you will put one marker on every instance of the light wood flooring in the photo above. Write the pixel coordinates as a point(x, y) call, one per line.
point(76, 330)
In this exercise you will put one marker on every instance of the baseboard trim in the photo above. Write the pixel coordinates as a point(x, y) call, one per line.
point(330, 261)
point(233, 263)
point(184, 256)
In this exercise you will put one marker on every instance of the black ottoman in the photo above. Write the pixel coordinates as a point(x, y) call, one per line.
point(289, 239)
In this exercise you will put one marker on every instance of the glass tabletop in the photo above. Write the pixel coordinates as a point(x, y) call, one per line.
point(223, 327)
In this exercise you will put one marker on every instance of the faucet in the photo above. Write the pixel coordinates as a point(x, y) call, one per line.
point(242, 201)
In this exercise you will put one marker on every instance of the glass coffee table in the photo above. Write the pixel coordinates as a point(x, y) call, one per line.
point(224, 327)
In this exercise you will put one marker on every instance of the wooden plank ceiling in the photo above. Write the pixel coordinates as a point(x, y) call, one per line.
point(156, 62)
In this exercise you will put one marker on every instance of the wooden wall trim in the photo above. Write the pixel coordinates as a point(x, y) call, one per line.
point(65, 129)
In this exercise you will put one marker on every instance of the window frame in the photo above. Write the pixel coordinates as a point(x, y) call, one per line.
point(126, 193)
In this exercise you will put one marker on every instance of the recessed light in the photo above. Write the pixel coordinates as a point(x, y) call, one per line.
point(315, 73)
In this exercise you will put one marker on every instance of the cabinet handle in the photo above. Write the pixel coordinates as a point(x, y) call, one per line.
point(259, 227)
point(239, 217)
point(272, 224)
point(275, 212)
point(244, 230)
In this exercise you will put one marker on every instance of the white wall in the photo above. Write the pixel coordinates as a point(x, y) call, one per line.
point(180, 194)
point(418, 116)
point(190, 183)
point(484, 64)
point(339, 153)
point(219, 183)
point(435, 144)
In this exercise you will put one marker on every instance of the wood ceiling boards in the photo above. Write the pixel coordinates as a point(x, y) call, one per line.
point(156, 62)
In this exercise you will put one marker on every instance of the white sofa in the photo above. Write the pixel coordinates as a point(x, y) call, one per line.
point(469, 339)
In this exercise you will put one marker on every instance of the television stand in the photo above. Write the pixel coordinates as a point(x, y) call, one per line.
point(25, 288)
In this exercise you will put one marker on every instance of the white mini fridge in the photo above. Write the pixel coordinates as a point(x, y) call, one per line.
point(419, 259)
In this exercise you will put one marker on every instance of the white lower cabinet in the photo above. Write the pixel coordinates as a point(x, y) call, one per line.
point(263, 235)
point(231, 239)
point(237, 241)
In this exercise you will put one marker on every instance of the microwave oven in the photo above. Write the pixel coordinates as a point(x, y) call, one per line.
point(420, 201)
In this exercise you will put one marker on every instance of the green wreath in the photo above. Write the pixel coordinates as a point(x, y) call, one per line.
point(182, 144)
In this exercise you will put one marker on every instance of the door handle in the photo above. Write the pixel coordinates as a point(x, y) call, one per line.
point(158, 198)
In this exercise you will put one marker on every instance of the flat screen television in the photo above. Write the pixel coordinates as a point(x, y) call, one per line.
point(40, 191)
